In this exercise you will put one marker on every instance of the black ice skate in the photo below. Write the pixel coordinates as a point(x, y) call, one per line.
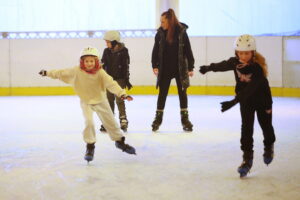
point(186, 124)
point(102, 129)
point(89, 154)
point(125, 147)
point(124, 123)
point(246, 165)
point(268, 154)
point(157, 120)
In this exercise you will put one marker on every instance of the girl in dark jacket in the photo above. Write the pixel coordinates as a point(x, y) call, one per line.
point(172, 57)
point(115, 61)
point(254, 95)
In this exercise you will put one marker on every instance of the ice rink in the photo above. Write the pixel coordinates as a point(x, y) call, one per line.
point(41, 153)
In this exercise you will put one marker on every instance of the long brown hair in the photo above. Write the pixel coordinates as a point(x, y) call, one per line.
point(258, 58)
point(173, 22)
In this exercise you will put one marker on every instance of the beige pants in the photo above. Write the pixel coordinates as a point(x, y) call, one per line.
point(105, 114)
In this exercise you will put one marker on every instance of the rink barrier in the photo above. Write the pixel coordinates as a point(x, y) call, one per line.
point(138, 33)
point(143, 90)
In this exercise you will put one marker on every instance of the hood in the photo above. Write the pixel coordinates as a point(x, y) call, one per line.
point(120, 47)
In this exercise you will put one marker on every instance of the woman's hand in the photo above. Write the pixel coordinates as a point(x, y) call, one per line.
point(155, 71)
point(191, 73)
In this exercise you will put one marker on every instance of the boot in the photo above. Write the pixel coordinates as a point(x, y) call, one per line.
point(125, 147)
point(187, 125)
point(246, 165)
point(89, 154)
point(268, 154)
point(157, 120)
point(124, 123)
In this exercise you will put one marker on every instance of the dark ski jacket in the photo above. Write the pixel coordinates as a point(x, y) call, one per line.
point(185, 59)
point(116, 63)
point(255, 92)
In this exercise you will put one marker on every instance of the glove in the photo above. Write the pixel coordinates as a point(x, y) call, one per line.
point(128, 84)
point(204, 69)
point(226, 105)
point(126, 97)
point(43, 73)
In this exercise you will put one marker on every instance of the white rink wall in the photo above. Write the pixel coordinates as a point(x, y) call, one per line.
point(22, 59)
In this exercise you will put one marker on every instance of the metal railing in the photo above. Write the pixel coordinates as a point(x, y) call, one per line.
point(75, 34)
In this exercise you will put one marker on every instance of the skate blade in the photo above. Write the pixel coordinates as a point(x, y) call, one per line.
point(243, 172)
point(130, 151)
point(88, 158)
point(188, 130)
point(243, 176)
point(155, 128)
point(267, 161)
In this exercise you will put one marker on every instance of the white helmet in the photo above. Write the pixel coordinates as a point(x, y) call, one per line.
point(90, 51)
point(112, 35)
point(245, 43)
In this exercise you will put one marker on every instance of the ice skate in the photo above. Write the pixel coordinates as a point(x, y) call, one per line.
point(186, 124)
point(268, 154)
point(89, 154)
point(125, 147)
point(246, 165)
point(157, 120)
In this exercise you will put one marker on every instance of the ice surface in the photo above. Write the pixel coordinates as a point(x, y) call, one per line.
point(41, 153)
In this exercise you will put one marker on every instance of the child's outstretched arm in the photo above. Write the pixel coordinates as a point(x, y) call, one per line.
point(126, 97)
point(242, 96)
point(114, 87)
point(223, 66)
point(226, 105)
point(65, 75)
point(43, 72)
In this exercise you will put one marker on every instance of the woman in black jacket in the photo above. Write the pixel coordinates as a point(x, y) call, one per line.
point(254, 95)
point(172, 57)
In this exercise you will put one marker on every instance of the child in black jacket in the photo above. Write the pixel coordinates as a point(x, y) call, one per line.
point(115, 61)
point(254, 95)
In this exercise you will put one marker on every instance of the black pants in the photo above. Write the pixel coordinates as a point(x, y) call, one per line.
point(265, 122)
point(164, 89)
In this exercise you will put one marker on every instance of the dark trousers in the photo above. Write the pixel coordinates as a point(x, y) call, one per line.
point(265, 122)
point(164, 89)
point(120, 103)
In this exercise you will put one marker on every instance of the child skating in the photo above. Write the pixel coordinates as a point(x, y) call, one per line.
point(115, 61)
point(254, 95)
point(90, 83)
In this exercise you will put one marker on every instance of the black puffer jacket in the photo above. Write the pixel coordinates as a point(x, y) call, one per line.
point(116, 63)
point(185, 59)
point(255, 92)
